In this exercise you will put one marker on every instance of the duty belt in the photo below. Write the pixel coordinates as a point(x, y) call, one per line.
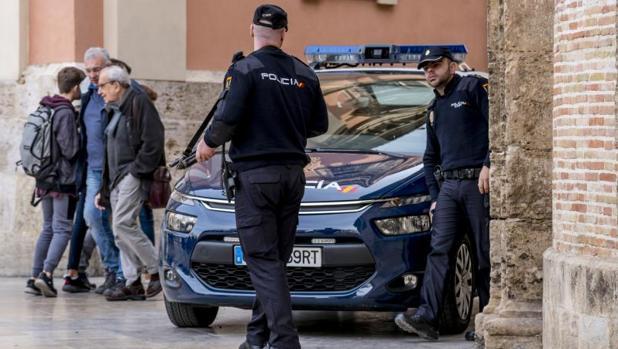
point(462, 173)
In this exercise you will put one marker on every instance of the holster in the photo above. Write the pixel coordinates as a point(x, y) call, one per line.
point(439, 176)
point(228, 177)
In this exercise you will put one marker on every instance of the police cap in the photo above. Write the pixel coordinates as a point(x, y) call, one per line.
point(434, 54)
point(271, 16)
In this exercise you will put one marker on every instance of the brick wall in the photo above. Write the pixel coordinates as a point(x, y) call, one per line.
point(585, 128)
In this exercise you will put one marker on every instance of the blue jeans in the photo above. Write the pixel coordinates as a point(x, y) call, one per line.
point(146, 221)
point(58, 214)
point(98, 222)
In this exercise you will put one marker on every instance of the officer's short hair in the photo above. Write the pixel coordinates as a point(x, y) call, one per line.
point(267, 33)
point(68, 78)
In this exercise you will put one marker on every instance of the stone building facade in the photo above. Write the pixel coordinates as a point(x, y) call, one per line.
point(554, 141)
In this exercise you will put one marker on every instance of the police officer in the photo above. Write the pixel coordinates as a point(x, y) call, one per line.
point(457, 143)
point(271, 104)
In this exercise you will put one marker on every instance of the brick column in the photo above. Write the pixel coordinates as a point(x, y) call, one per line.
point(580, 302)
point(520, 56)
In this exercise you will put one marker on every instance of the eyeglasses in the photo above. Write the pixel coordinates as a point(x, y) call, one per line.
point(105, 83)
point(94, 69)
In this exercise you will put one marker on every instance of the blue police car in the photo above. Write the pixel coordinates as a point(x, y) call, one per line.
point(364, 227)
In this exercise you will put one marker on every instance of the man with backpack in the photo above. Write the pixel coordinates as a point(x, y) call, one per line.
point(49, 150)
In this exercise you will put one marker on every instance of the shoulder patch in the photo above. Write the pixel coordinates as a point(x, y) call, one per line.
point(237, 57)
point(301, 68)
point(299, 60)
point(248, 64)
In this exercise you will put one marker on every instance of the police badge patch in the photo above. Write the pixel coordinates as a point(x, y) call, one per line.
point(228, 82)
point(431, 118)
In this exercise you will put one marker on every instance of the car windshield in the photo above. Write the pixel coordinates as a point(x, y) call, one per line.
point(374, 112)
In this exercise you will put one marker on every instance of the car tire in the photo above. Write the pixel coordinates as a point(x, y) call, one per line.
point(188, 315)
point(460, 286)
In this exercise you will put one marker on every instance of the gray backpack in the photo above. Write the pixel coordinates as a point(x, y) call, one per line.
point(36, 144)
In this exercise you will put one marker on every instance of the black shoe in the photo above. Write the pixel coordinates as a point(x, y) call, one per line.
point(84, 278)
point(110, 281)
point(417, 324)
point(76, 285)
point(120, 283)
point(134, 292)
point(154, 286)
point(31, 289)
point(470, 336)
point(246, 345)
point(46, 285)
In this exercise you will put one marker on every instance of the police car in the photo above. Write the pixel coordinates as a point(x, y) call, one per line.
point(364, 227)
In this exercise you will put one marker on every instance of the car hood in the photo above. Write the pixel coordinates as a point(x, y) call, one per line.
point(331, 176)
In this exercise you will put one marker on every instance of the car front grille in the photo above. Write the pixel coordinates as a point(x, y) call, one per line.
point(325, 279)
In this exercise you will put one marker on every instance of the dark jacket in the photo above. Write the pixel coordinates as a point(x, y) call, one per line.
point(82, 158)
point(135, 144)
point(457, 129)
point(272, 103)
point(65, 147)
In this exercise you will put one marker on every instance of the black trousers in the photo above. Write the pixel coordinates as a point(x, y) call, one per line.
point(267, 205)
point(458, 199)
point(78, 234)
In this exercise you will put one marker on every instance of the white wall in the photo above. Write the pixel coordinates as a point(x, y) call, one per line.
point(150, 35)
point(14, 38)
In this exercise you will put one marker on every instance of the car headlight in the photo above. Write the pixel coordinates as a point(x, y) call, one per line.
point(183, 199)
point(403, 225)
point(404, 201)
point(180, 222)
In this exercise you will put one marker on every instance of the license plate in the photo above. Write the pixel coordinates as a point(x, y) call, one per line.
point(306, 257)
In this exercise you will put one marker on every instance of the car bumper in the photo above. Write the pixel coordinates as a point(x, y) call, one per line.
point(182, 256)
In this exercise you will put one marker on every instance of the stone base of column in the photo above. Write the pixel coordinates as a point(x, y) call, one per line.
point(580, 301)
point(511, 332)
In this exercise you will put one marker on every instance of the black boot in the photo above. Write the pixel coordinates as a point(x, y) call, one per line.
point(417, 324)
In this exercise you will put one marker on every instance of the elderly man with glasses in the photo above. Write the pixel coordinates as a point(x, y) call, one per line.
point(134, 148)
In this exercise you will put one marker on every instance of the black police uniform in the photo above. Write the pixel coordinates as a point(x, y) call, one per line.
point(271, 104)
point(457, 141)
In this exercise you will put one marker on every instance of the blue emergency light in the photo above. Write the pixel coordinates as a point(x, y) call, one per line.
point(335, 56)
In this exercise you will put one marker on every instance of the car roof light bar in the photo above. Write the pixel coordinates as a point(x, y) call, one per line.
point(336, 56)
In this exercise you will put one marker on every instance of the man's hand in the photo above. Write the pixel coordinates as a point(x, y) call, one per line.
point(484, 180)
point(432, 209)
point(203, 152)
point(97, 202)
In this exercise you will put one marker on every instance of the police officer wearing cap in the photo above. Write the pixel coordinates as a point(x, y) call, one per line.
point(458, 151)
point(271, 104)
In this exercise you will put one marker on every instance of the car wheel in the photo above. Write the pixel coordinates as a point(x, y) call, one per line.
point(188, 315)
point(458, 301)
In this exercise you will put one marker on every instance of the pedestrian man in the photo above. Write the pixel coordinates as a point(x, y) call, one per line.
point(56, 187)
point(134, 148)
point(457, 147)
point(90, 167)
point(271, 104)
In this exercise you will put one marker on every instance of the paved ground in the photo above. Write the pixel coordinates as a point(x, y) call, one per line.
point(88, 321)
